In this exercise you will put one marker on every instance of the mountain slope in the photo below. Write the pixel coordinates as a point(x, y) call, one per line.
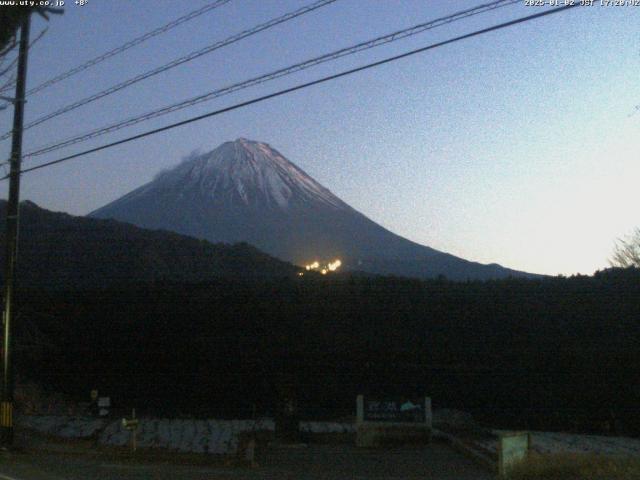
point(247, 191)
point(57, 249)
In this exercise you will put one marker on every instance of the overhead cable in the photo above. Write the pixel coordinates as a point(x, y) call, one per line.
point(392, 37)
point(128, 45)
point(302, 86)
point(174, 63)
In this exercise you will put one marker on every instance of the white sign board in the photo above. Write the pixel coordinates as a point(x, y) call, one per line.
point(392, 420)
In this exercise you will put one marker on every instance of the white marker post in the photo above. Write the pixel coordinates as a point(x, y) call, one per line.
point(131, 425)
point(513, 448)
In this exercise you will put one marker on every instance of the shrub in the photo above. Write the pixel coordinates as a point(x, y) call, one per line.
point(568, 466)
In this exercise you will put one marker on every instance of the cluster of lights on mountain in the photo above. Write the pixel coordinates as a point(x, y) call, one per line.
point(323, 269)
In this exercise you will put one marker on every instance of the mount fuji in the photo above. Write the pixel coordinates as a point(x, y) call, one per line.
point(246, 191)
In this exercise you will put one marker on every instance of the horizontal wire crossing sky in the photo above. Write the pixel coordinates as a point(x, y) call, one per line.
point(519, 147)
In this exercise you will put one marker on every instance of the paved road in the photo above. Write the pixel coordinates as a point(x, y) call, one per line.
point(316, 462)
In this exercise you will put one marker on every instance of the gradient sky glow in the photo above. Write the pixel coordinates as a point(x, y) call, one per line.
point(519, 147)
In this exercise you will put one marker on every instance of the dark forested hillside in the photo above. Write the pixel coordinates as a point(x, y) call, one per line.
point(556, 352)
point(60, 250)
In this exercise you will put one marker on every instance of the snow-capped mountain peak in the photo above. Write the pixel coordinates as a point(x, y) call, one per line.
point(247, 172)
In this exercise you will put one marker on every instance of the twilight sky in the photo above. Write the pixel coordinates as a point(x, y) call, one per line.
point(519, 147)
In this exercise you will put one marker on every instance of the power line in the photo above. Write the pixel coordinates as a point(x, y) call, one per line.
point(15, 60)
point(7, 69)
point(11, 83)
point(128, 45)
point(302, 86)
point(10, 46)
point(382, 40)
point(179, 61)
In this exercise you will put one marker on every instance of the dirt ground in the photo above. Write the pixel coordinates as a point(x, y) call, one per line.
point(46, 460)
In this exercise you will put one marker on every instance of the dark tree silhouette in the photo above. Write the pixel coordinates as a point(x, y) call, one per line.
point(10, 18)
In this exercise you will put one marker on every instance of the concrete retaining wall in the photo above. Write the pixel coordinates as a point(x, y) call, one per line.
point(198, 436)
point(182, 435)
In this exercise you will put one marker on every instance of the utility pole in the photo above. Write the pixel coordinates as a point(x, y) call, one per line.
point(11, 238)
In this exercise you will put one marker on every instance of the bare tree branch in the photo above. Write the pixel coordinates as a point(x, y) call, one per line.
point(626, 252)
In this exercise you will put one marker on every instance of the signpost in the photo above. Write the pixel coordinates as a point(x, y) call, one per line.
point(104, 403)
point(392, 419)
